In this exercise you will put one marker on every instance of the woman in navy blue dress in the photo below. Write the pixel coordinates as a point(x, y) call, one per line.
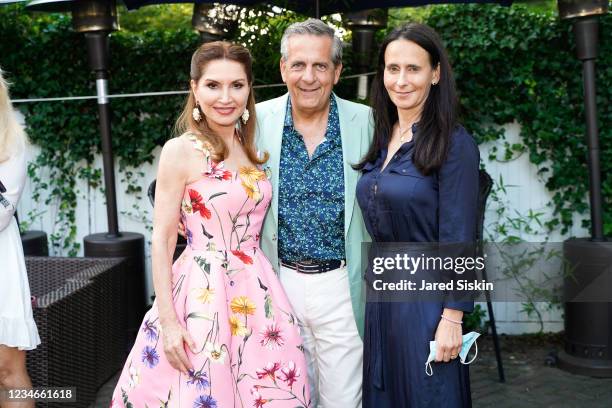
point(419, 184)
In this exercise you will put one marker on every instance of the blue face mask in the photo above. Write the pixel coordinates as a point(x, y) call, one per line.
point(468, 340)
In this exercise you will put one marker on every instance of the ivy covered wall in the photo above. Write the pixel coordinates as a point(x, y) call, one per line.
point(510, 64)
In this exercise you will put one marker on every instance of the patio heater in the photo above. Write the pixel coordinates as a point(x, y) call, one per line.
point(96, 19)
point(588, 317)
point(364, 25)
point(215, 22)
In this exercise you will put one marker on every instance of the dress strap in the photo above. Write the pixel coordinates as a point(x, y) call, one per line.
point(199, 144)
point(204, 147)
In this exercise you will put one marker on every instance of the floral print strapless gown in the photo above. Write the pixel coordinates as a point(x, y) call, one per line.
point(248, 348)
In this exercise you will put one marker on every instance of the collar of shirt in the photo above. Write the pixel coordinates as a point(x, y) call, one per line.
point(406, 147)
point(332, 132)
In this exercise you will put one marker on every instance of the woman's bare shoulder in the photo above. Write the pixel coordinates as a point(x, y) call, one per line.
point(176, 147)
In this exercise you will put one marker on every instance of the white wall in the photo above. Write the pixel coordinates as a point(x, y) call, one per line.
point(529, 193)
point(91, 209)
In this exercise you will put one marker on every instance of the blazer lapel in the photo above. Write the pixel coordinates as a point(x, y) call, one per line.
point(351, 150)
point(273, 137)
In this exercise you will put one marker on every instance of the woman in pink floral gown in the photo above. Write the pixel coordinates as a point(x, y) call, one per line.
point(221, 332)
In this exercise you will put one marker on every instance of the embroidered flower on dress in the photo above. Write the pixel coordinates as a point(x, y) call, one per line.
point(205, 295)
point(197, 204)
point(189, 236)
point(216, 171)
point(202, 145)
point(243, 305)
point(289, 373)
point(250, 176)
point(268, 371)
point(252, 191)
point(247, 260)
point(272, 337)
point(150, 356)
point(258, 400)
point(237, 327)
point(214, 352)
point(205, 401)
point(150, 330)
point(199, 379)
point(134, 376)
point(186, 207)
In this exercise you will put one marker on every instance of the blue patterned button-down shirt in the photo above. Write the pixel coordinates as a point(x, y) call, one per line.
point(311, 194)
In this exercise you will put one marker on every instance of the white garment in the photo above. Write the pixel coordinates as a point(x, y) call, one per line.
point(334, 350)
point(17, 327)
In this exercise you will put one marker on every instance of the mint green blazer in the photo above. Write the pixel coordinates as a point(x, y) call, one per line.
point(356, 128)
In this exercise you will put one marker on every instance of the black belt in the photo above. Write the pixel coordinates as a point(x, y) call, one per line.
point(312, 266)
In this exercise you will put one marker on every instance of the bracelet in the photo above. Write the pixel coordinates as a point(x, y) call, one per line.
point(451, 320)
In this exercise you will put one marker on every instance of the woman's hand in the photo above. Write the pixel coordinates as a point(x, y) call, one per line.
point(449, 336)
point(169, 189)
point(174, 338)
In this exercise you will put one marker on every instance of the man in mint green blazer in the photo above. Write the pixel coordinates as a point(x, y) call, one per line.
point(313, 231)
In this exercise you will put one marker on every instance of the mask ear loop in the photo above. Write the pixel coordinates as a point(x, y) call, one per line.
point(428, 366)
point(475, 354)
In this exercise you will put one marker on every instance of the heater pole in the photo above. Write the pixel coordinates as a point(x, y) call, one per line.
point(586, 31)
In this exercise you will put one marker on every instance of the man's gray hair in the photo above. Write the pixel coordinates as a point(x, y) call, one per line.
point(312, 26)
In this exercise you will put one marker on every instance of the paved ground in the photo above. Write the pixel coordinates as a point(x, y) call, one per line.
point(530, 383)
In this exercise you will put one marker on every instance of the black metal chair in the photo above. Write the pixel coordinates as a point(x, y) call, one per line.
point(181, 243)
point(485, 186)
point(151, 192)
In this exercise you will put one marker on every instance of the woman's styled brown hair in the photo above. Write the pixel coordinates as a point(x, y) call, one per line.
point(439, 117)
point(212, 51)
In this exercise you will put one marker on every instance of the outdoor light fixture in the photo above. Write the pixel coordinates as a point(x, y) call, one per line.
point(581, 8)
point(87, 16)
point(364, 25)
point(586, 31)
point(215, 22)
point(588, 319)
point(96, 19)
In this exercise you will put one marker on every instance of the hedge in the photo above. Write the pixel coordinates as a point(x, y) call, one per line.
point(510, 64)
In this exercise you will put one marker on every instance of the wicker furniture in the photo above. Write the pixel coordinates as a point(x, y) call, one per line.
point(80, 309)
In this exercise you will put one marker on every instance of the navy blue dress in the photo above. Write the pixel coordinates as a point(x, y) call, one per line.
point(399, 204)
